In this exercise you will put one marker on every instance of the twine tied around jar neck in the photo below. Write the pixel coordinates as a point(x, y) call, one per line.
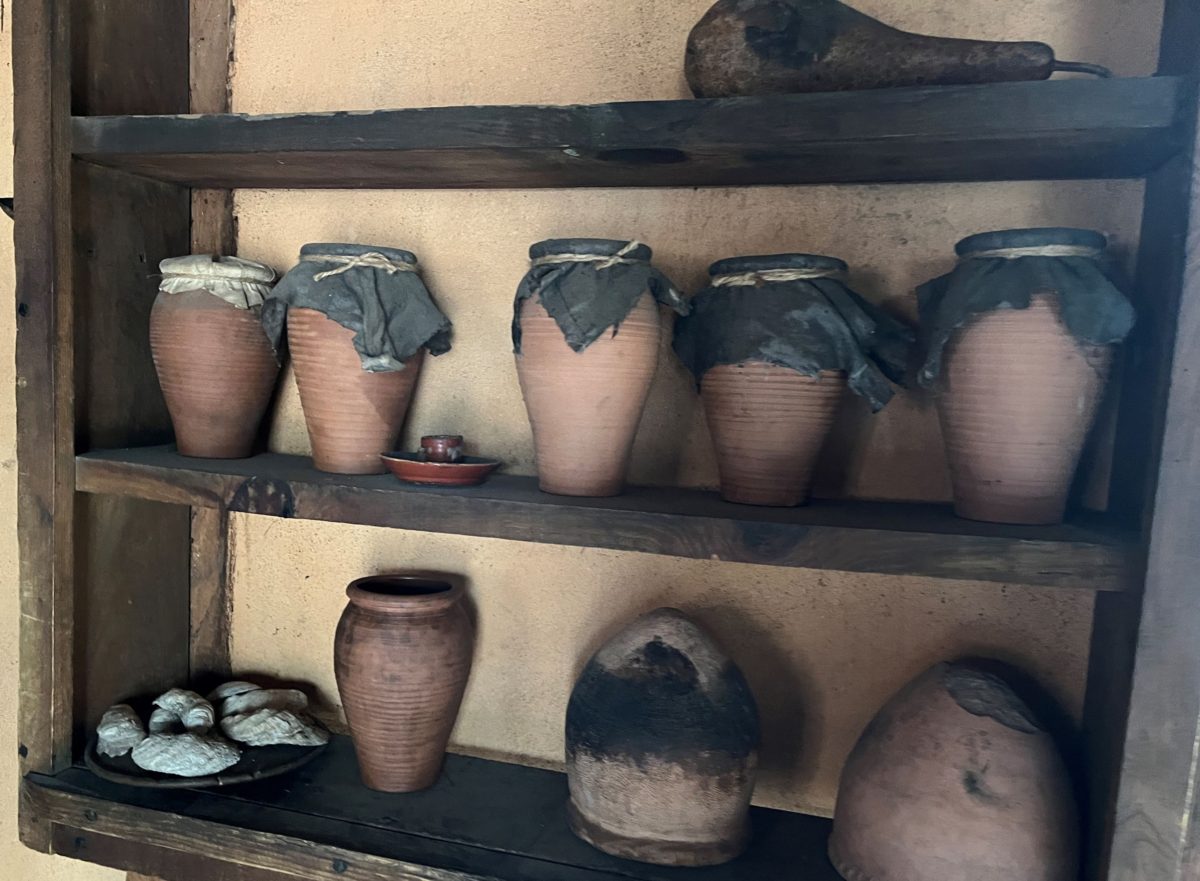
point(1036, 251)
point(600, 260)
point(369, 260)
point(748, 279)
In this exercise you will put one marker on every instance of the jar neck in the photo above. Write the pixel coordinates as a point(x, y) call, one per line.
point(404, 596)
point(1034, 251)
point(771, 276)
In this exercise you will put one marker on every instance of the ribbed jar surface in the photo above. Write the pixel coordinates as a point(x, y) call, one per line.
point(216, 369)
point(1017, 400)
point(584, 407)
point(402, 655)
point(768, 424)
point(352, 415)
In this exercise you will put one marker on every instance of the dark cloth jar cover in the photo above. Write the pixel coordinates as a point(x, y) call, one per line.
point(375, 292)
point(590, 285)
point(795, 311)
point(1006, 268)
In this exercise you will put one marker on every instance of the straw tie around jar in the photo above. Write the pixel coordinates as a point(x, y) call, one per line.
point(369, 260)
point(600, 260)
point(748, 279)
point(1036, 251)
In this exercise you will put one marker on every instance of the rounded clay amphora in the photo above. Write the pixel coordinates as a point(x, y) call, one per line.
point(352, 415)
point(662, 746)
point(217, 371)
point(954, 779)
point(768, 424)
point(402, 654)
point(1017, 398)
point(584, 407)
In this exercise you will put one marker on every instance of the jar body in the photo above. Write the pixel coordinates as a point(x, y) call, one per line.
point(662, 746)
point(352, 415)
point(768, 424)
point(217, 371)
point(954, 779)
point(584, 407)
point(1017, 398)
point(401, 664)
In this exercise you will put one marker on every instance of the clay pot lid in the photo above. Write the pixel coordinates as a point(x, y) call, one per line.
point(597, 247)
point(411, 468)
point(766, 262)
point(404, 594)
point(343, 249)
point(1037, 237)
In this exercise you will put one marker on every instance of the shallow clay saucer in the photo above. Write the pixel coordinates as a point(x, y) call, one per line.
point(440, 463)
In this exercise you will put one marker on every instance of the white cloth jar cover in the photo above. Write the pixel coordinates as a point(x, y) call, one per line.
point(241, 283)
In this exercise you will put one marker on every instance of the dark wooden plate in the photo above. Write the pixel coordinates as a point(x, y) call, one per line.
point(256, 763)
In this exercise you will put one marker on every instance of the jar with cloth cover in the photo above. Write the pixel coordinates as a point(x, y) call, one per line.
point(586, 329)
point(1019, 342)
point(359, 320)
point(216, 366)
point(773, 342)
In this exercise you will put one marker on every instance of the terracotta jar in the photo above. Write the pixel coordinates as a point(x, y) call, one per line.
point(771, 342)
point(955, 779)
point(1025, 329)
point(402, 654)
point(359, 320)
point(662, 746)
point(352, 415)
point(586, 332)
point(216, 366)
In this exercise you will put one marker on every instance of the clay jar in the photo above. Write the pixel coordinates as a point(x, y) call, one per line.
point(584, 406)
point(1017, 398)
point(662, 746)
point(955, 779)
point(402, 654)
point(352, 415)
point(768, 422)
point(216, 367)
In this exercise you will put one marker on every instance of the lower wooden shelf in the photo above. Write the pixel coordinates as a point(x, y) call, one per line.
point(886, 538)
point(483, 821)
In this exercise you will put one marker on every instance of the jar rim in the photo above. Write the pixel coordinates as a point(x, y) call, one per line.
point(404, 594)
point(346, 249)
point(1033, 237)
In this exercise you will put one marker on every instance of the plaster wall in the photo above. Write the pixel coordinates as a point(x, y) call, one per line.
point(822, 650)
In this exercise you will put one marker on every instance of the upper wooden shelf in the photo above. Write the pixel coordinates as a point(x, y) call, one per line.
point(850, 536)
point(482, 821)
point(1070, 128)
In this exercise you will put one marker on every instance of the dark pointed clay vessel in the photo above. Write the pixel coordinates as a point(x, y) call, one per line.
point(217, 371)
point(755, 47)
point(954, 779)
point(662, 746)
point(402, 654)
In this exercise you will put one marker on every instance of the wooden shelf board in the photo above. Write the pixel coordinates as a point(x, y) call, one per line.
point(1069, 128)
point(482, 820)
point(876, 537)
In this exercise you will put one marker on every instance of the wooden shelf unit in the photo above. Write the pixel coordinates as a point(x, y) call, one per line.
point(879, 537)
point(482, 821)
point(1005, 131)
point(113, 174)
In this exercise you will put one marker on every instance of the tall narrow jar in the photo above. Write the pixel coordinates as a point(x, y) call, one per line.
point(773, 343)
point(216, 366)
point(586, 333)
point(359, 320)
point(402, 655)
point(1021, 339)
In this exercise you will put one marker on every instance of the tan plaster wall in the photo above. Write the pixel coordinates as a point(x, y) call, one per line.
point(822, 649)
point(16, 862)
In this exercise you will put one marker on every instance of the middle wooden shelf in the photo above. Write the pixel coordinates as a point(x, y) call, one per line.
point(889, 538)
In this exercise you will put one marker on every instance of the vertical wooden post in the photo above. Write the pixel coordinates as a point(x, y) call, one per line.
point(45, 400)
